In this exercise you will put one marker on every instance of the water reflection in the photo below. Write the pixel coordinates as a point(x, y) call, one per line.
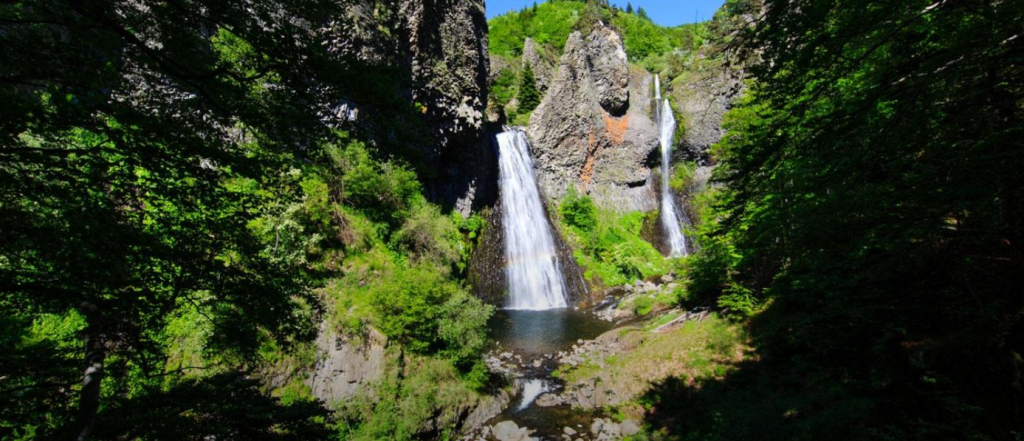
point(532, 333)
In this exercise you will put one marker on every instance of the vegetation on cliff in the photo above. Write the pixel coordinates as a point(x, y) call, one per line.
point(174, 201)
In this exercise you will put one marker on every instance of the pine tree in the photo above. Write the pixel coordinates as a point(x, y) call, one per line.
point(529, 96)
point(629, 8)
point(642, 14)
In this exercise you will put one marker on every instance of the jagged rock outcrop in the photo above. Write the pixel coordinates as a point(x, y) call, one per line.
point(447, 43)
point(701, 104)
point(346, 366)
point(609, 69)
point(589, 132)
point(543, 65)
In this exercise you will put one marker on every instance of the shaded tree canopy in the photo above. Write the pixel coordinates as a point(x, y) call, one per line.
point(131, 138)
point(873, 203)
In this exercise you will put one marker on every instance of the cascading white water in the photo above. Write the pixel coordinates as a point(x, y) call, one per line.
point(534, 273)
point(669, 214)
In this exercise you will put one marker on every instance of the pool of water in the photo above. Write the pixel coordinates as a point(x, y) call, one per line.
point(536, 333)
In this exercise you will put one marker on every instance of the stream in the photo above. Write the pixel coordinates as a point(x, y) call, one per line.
point(529, 342)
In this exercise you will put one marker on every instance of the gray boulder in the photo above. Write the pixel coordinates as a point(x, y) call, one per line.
point(630, 427)
point(510, 431)
point(589, 134)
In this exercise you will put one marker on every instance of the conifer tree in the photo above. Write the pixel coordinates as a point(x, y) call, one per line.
point(529, 96)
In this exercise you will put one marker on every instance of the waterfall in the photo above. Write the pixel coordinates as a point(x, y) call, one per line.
point(669, 213)
point(534, 273)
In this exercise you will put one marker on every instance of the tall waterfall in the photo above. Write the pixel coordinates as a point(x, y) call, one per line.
point(669, 213)
point(534, 273)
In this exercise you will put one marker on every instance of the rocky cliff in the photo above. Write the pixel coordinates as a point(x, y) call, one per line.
point(541, 62)
point(590, 132)
point(431, 56)
point(701, 102)
point(435, 54)
point(346, 366)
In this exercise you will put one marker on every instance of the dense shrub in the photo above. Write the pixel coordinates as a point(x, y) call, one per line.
point(578, 211)
point(608, 244)
point(641, 37)
point(548, 23)
point(503, 89)
point(385, 190)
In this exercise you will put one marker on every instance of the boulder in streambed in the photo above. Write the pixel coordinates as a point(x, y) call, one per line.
point(510, 431)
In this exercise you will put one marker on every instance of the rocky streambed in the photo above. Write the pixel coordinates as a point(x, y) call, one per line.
point(553, 363)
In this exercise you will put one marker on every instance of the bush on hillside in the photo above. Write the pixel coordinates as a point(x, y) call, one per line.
point(578, 211)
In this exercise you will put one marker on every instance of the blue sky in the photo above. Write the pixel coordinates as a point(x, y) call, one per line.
point(663, 12)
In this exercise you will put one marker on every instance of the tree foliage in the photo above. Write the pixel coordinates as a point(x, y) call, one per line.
point(529, 96)
point(874, 201)
point(170, 167)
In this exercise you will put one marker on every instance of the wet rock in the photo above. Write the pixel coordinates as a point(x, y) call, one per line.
point(549, 400)
point(509, 431)
point(489, 407)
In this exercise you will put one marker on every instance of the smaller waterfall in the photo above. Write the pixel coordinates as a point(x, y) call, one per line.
point(534, 273)
point(669, 213)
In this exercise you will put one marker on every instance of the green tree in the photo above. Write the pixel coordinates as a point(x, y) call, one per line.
point(529, 95)
point(642, 14)
point(128, 135)
point(873, 201)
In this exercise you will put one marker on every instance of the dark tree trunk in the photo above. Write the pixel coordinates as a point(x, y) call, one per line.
point(95, 354)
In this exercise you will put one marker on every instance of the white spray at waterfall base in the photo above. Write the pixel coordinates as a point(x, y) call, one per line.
point(534, 273)
point(669, 213)
point(531, 390)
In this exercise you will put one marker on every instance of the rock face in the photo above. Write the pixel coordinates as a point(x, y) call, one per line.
point(609, 69)
point(431, 54)
point(589, 133)
point(447, 53)
point(346, 366)
point(447, 43)
point(542, 64)
point(702, 104)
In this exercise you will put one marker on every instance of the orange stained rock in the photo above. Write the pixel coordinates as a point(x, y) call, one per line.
point(587, 173)
point(617, 127)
